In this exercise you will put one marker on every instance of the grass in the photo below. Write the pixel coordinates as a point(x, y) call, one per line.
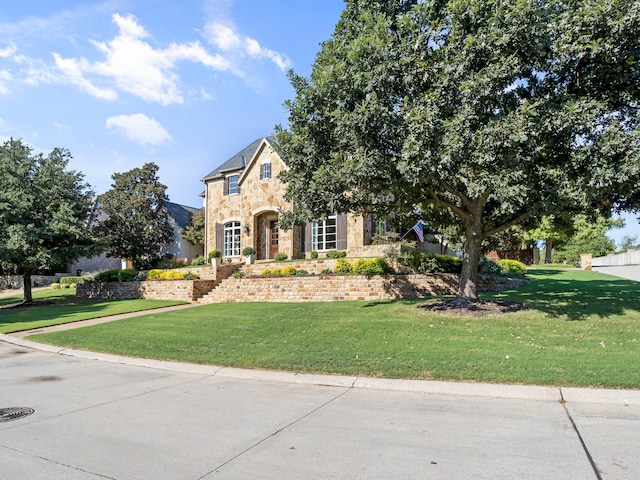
point(62, 306)
point(581, 329)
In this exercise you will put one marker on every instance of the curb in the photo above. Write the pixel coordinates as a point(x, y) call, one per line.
point(521, 392)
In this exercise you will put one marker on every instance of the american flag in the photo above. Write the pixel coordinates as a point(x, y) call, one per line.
point(419, 230)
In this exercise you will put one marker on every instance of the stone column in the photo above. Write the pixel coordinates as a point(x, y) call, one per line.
point(585, 261)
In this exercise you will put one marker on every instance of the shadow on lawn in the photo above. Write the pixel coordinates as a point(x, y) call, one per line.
point(576, 295)
point(63, 309)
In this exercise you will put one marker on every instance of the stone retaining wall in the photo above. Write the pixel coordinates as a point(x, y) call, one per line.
point(180, 290)
point(329, 288)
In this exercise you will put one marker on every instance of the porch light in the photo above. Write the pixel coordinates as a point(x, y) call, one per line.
point(245, 228)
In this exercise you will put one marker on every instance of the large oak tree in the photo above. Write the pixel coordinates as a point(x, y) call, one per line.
point(44, 209)
point(497, 111)
point(136, 224)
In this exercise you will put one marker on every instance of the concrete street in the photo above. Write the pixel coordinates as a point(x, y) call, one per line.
point(100, 416)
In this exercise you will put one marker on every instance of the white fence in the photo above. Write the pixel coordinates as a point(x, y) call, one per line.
point(627, 258)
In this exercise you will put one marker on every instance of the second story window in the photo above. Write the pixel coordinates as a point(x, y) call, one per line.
point(231, 185)
point(265, 171)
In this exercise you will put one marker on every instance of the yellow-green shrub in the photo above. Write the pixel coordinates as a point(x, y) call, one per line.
point(343, 266)
point(289, 271)
point(55, 286)
point(155, 274)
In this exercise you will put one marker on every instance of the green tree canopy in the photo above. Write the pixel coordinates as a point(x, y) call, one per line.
point(136, 224)
point(589, 236)
point(494, 110)
point(194, 232)
point(44, 210)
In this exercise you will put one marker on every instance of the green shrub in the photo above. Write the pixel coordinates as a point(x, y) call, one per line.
point(336, 254)
point(126, 275)
point(420, 261)
point(281, 257)
point(512, 266)
point(343, 266)
point(170, 263)
point(214, 254)
point(289, 271)
point(488, 267)
point(238, 274)
point(314, 254)
point(190, 276)
point(246, 251)
point(107, 276)
point(73, 285)
point(326, 271)
point(200, 260)
point(70, 279)
point(155, 274)
point(302, 272)
point(65, 285)
point(55, 286)
point(373, 266)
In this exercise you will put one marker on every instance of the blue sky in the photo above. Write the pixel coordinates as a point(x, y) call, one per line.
point(185, 84)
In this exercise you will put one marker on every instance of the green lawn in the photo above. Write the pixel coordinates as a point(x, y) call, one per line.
point(581, 329)
point(54, 307)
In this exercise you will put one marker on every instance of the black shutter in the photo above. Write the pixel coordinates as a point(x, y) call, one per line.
point(225, 189)
point(341, 234)
point(261, 172)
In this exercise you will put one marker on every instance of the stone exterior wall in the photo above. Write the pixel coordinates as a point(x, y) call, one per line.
point(257, 197)
point(180, 290)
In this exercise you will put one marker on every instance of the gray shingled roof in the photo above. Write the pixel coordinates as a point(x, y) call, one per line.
point(239, 161)
point(180, 213)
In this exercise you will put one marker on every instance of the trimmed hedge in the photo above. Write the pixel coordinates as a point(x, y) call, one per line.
point(336, 254)
point(70, 280)
point(512, 266)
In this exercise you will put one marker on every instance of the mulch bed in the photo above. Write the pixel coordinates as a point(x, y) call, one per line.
point(481, 308)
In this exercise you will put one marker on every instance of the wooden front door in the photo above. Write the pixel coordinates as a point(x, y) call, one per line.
point(273, 238)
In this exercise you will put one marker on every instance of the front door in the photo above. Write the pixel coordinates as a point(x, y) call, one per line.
point(273, 238)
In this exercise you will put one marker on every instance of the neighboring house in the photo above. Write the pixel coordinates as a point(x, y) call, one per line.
point(242, 200)
point(180, 216)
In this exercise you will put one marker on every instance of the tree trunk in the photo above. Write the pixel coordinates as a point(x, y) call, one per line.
point(547, 251)
point(26, 280)
point(468, 289)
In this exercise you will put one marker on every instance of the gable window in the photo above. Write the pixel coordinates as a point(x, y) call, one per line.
point(265, 171)
point(231, 186)
point(324, 234)
point(231, 239)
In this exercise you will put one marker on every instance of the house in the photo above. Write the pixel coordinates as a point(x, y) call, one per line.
point(243, 197)
point(179, 216)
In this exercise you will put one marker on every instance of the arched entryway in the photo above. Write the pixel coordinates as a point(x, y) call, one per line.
point(268, 235)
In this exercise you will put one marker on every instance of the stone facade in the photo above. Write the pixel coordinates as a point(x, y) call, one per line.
point(255, 203)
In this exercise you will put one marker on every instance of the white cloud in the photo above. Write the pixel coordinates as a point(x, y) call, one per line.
point(139, 128)
point(135, 66)
point(5, 76)
point(224, 37)
point(8, 51)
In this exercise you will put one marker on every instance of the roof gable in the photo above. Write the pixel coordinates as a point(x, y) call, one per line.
point(239, 161)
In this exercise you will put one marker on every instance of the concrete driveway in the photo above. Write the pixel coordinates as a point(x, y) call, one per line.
point(106, 417)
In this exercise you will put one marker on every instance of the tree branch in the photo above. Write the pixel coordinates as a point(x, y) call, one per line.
point(504, 226)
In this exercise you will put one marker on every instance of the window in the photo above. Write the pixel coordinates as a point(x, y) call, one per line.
point(231, 239)
point(324, 234)
point(231, 185)
point(265, 171)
